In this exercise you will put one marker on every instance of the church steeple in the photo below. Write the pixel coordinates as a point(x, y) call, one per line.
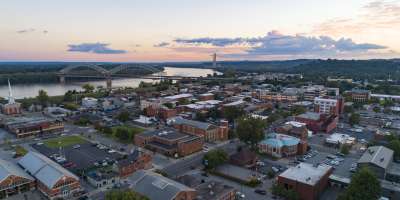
point(11, 99)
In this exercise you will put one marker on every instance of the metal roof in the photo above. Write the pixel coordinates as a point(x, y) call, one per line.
point(197, 124)
point(44, 169)
point(10, 169)
point(156, 187)
point(377, 155)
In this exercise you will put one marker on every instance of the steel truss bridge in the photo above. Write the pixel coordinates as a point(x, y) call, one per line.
point(120, 71)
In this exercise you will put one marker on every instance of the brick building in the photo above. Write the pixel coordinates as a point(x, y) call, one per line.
point(279, 145)
point(359, 95)
point(133, 162)
point(53, 180)
point(206, 97)
point(169, 142)
point(308, 180)
point(14, 180)
point(209, 132)
point(317, 122)
point(25, 127)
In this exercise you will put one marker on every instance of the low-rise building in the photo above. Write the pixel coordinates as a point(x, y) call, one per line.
point(279, 145)
point(308, 180)
point(378, 159)
point(209, 132)
point(53, 180)
point(26, 127)
point(14, 180)
point(169, 142)
point(244, 158)
point(359, 95)
point(206, 96)
point(157, 187)
point(337, 139)
point(89, 102)
point(318, 122)
point(131, 163)
point(103, 178)
point(215, 191)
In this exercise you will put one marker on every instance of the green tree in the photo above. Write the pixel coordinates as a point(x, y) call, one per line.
point(376, 109)
point(183, 101)
point(395, 146)
point(297, 110)
point(88, 88)
point(232, 112)
point(345, 149)
point(123, 116)
point(354, 119)
point(123, 134)
point(124, 195)
point(251, 130)
point(214, 158)
point(364, 185)
point(68, 96)
point(43, 98)
point(349, 109)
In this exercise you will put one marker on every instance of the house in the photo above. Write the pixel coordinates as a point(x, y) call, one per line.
point(318, 122)
point(279, 145)
point(169, 142)
point(131, 163)
point(244, 158)
point(308, 180)
point(209, 132)
point(378, 159)
point(53, 180)
point(102, 178)
point(157, 187)
point(14, 180)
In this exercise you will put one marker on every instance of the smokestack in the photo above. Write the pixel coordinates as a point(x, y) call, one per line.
point(214, 60)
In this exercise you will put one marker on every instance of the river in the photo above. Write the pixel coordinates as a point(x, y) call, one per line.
point(53, 89)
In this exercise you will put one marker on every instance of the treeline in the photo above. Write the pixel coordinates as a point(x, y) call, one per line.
point(45, 72)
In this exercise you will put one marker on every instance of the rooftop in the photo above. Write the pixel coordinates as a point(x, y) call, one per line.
point(156, 187)
point(168, 134)
point(377, 155)
point(306, 173)
point(310, 115)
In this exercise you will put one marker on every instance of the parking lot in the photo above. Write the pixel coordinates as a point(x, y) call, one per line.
point(86, 156)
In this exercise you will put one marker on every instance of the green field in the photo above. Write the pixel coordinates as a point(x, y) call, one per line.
point(64, 141)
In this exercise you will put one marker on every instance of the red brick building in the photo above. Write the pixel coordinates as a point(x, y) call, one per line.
point(14, 180)
point(133, 162)
point(209, 132)
point(52, 180)
point(206, 97)
point(26, 127)
point(169, 142)
point(317, 122)
point(307, 180)
point(165, 113)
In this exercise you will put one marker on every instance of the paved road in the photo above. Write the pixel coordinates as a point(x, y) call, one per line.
point(186, 164)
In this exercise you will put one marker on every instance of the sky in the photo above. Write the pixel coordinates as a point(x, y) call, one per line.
point(192, 30)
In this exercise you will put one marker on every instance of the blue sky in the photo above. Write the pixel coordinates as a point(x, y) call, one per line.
point(132, 30)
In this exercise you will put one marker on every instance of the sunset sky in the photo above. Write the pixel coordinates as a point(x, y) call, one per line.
point(191, 30)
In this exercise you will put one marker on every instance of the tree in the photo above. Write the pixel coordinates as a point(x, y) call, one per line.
point(297, 110)
point(364, 185)
point(68, 96)
point(395, 146)
point(354, 119)
point(42, 97)
point(251, 130)
point(123, 134)
point(214, 158)
point(88, 88)
point(124, 195)
point(183, 101)
point(349, 109)
point(123, 116)
point(232, 112)
point(376, 109)
point(345, 149)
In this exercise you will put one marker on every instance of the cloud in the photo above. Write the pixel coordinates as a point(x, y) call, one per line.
point(26, 31)
point(162, 44)
point(45, 31)
point(97, 48)
point(380, 14)
point(275, 43)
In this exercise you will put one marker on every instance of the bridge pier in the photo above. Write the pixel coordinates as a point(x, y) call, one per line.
point(109, 83)
point(62, 79)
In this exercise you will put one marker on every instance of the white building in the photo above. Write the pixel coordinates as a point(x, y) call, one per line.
point(325, 106)
point(89, 102)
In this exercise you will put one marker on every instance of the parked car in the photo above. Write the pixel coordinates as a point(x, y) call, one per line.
point(262, 192)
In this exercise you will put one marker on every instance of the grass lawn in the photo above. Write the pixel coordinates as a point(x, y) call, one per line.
point(64, 141)
point(127, 135)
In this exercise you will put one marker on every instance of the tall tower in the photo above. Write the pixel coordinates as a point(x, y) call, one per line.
point(214, 57)
point(11, 99)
